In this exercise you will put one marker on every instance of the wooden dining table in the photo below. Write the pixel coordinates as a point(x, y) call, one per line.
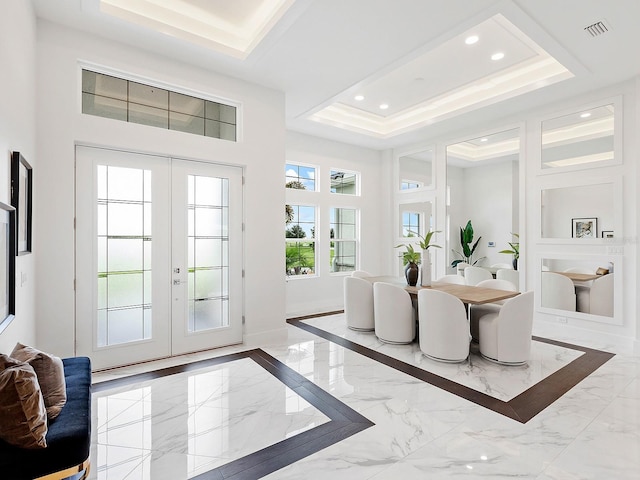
point(468, 294)
point(580, 277)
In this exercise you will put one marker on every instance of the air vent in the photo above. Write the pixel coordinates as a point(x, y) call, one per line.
point(597, 29)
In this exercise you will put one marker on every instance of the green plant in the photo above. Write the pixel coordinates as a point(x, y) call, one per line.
point(409, 255)
point(466, 239)
point(515, 248)
point(425, 242)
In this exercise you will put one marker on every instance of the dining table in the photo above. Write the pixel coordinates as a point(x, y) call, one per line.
point(580, 277)
point(468, 294)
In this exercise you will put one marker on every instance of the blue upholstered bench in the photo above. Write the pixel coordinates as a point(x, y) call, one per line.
point(68, 436)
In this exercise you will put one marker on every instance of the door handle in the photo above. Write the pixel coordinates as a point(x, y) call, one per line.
point(178, 282)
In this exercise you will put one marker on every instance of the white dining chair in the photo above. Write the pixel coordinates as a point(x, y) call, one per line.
point(508, 266)
point(460, 268)
point(557, 292)
point(505, 336)
point(443, 329)
point(455, 279)
point(394, 314)
point(358, 304)
point(598, 299)
point(477, 311)
point(360, 274)
point(510, 275)
point(474, 275)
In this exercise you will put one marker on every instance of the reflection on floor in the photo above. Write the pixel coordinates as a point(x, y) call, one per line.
point(173, 425)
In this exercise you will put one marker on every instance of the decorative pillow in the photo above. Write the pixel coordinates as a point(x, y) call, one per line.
point(50, 372)
point(23, 417)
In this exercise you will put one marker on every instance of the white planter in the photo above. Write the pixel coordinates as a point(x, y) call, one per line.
point(425, 269)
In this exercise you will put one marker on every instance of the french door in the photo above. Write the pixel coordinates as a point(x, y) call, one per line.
point(158, 256)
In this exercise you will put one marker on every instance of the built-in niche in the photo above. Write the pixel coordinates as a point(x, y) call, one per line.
point(584, 287)
point(581, 139)
point(581, 213)
point(483, 186)
point(415, 170)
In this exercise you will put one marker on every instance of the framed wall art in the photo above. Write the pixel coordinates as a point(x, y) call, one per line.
point(607, 234)
point(21, 195)
point(7, 265)
point(584, 227)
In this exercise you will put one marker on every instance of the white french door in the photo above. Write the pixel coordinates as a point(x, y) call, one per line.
point(158, 256)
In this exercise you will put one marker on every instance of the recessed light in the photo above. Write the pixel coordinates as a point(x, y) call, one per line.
point(497, 56)
point(483, 457)
point(383, 106)
point(358, 98)
point(585, 115)
point(484, 139)
point(471, 40)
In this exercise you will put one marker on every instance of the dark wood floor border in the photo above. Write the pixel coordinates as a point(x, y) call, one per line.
point(344, 421)
point(521, 408)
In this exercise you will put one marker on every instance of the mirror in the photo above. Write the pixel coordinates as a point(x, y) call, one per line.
point(581, 138)
point(580, 212)
point(482, 186)
point(579, 285)
point(414, 219)
point(416, 170)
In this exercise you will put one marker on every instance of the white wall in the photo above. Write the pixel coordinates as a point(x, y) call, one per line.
point(18, 133)
point(62, 126)
point(323, 291)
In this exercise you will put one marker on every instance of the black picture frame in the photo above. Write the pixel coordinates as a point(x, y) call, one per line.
point(584, 227)
point(7, 265)
point(607, 234)
point(21, 200)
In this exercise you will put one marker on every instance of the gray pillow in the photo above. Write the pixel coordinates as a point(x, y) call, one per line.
point(23, 418)
point(50, 372)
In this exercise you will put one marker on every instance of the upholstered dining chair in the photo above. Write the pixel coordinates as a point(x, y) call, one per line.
point(505, 336)
point(395, 320)
point(460, 268)
point(510, 275)
point(508, 266)
point(361, 274)
point(477, 311)
point(598, 299)
point(455, 279)
point(443, 329)
point(474, 275)
point(557, 291)
point(358, 304)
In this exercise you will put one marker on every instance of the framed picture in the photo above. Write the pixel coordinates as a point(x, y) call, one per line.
point(607, 234)
point(584, 227)
point(7, 265)
point(21, 186)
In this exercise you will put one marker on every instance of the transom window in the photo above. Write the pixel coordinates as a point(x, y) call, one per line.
point(120, 99)
point(300, 177)
point(344, 183)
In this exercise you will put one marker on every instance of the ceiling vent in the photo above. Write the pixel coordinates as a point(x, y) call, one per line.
point(597, 29)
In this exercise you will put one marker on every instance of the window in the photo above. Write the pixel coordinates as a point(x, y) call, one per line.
point(300, 228)
point(409, 184)
point(344, 183)
point(343, 240)
point(410, 224)
point(300, 177)
point(119, 99)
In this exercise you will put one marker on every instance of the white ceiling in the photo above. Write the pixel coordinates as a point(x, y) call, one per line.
point(322, 53)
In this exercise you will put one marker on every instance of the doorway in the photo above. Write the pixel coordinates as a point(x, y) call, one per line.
point(158, 256)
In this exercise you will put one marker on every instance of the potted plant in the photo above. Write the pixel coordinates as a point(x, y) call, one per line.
point(411, 259)
point(466, 239)
point(514, 250)
point(425, 244)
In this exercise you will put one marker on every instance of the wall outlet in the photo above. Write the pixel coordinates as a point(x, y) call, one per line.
point(491, 244)
point(562, 319)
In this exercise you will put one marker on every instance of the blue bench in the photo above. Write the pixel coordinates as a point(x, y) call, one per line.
point(68, 436)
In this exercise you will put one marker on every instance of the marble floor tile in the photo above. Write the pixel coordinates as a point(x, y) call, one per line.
point(185, 425)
